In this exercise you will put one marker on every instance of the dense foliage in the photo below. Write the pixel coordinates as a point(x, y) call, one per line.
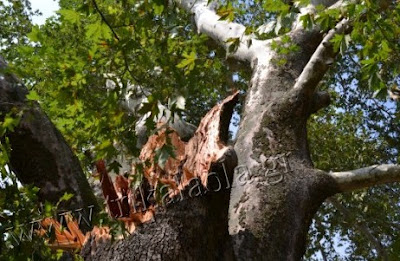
point(90, 64)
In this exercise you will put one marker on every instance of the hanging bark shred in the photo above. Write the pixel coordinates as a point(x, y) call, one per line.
point(208, 144)
point(70, 237)
point(117, 206)
point(192, 159)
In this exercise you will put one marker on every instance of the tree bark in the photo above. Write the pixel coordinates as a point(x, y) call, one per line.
point(274, 199)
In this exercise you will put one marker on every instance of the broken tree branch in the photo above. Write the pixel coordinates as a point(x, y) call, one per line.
point(39, 153)
point(200, 171)
point(194, 158)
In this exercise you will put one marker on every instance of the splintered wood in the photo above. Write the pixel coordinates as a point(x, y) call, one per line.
point(70, 237)
point(208, 144)
point(192, 159)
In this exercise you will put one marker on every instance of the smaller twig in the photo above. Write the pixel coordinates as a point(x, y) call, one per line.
point(122, 25)
point(138, 81)
point(103, 18)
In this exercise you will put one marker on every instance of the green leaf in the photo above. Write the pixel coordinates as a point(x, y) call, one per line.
point(189, 62)
point(163, 154)
point(234, 44)
point(34, 35)
point(48, 209)
point(10, 122)
point(276, 6)
point(158, 7)
point(226, 12)
point(380, 94)
point(70, 16)
point(344, 44)
point(115, 166)
point(33, 96)
point(97, 31)
point(307, 21)
point(67, 196)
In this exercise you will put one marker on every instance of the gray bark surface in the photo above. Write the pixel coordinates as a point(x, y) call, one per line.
point(272, 206)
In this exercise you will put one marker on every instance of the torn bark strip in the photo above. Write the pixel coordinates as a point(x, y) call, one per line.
point(66, 238)
point(117, 206)
point(194, 158)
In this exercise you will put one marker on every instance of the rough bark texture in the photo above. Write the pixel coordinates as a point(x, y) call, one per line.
point(39, 154)
point(274, 199)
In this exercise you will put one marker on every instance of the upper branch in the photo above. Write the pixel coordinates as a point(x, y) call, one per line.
point(209, 23)
point(321, 59)
point(366, 177)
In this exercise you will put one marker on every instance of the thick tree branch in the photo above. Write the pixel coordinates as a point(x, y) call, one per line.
point(39, 153)
point(366, 177)
point(320, 60)
point(209, 23)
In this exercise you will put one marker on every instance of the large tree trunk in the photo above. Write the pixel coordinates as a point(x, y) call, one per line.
point(277, 192)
